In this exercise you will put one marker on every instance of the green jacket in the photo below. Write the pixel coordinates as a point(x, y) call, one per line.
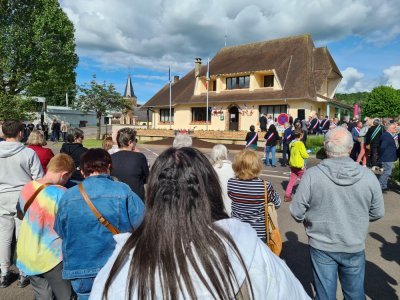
point(298, 153)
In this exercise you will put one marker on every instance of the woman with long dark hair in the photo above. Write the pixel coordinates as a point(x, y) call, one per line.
point(271, 138)
point(187, 247)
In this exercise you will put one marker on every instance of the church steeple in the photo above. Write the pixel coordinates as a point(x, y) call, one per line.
point(129, 93)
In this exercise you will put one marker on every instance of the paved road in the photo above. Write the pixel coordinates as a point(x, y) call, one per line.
point(382, 245)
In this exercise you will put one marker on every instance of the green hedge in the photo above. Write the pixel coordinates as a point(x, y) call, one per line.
point(315, 143)
point(396, 172)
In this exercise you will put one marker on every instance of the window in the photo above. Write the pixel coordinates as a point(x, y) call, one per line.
point(214, 85)
point(268, 80)
point(164, 115)
point(273, 110)
point(199, 114)
point(241, 82)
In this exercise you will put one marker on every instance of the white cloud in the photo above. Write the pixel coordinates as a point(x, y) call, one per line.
point(157, 33)
point(354, 81)
point(392, 75)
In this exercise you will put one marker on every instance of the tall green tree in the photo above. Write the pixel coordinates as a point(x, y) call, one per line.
point(100, 98)
point(382, 101)
point(16, 107)
point(37, 50)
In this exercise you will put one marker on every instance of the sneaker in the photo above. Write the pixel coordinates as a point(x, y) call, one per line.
point(23, 281)
point(4, 281)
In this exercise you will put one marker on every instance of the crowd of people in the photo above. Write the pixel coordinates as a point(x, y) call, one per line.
point(98, 223)
point(375, 143)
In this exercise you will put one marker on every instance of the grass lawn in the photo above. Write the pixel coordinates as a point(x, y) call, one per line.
point(92, 143)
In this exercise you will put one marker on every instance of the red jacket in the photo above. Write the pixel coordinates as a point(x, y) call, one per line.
point(45, 154)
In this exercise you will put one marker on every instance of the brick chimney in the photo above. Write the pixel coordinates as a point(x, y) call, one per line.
point(197, 66)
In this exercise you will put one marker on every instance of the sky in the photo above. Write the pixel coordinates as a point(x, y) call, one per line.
point(143, 38)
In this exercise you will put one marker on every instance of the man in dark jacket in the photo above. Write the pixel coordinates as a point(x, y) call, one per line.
point(314, 125)
point(387, 154)
point(263, 123)
point(286, 139)
point(74, 148)
point(325, 125)
point(372, 141)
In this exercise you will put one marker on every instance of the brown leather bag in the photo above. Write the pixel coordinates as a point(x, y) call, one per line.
point(21, 214)
point(274, 239)
point(98, 215)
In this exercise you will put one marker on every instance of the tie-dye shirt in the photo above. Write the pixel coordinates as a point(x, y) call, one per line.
point(39, 246)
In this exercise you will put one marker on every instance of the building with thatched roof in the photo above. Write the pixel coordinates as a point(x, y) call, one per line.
point(288, 75)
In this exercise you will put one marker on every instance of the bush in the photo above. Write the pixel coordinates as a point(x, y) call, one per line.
point(315, 143)
point(396, 172)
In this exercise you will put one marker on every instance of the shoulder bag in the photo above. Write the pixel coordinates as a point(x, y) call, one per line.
point(21, 214)
point(274, 239)
point(98, 215)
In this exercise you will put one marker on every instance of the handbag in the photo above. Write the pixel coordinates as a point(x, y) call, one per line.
point(274, 239)
point(20, 214)
point(98, 215)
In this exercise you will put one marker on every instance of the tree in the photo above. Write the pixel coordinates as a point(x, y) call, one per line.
point(99, 98)
point(382, 101)
point(15, 107)
point(353, 98)
point(37, 50)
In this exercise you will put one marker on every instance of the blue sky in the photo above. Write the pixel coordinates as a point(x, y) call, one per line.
point(118, 37)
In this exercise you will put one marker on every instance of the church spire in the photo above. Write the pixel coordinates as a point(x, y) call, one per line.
point(129, 93)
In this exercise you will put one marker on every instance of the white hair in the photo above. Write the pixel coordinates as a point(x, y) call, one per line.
point(182, 140)
point(218, 154)
point(338, 142)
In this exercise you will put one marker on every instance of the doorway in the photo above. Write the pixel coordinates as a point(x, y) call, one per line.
point(234, 118)
point(301, 114)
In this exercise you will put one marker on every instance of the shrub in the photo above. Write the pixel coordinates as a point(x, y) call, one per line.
point(396, 172)
point(315, 143)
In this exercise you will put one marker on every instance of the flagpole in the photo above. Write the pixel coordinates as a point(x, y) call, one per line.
point(170, 98)
point(207, 85)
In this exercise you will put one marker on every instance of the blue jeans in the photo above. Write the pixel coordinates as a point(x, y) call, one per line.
point(327, 266)
point(268, 150)
point(387, 171)
point(82, 287)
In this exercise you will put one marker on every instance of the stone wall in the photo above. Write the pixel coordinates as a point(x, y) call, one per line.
point(202, 134)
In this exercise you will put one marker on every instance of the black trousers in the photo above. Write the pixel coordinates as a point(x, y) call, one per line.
point(355, 151)
point(374, 155)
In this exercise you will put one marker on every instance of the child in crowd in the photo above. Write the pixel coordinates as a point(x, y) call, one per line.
point(298, 154)
point(107, 143)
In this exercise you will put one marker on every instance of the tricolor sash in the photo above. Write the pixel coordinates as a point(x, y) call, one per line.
point(252, 140)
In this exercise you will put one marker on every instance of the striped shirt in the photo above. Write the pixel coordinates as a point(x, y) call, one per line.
point(248, 202)
point(39, 246)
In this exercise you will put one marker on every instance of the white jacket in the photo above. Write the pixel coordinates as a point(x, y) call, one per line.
point(225, 172)
point(269, 275)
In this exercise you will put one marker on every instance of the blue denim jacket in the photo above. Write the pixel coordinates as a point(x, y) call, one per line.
point(87, 244)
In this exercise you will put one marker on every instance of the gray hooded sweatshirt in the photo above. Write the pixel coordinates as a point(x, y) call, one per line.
point(18, 165)
point(336, 200)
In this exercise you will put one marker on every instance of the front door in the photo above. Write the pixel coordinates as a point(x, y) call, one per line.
point(234, 118)
point(301, 114)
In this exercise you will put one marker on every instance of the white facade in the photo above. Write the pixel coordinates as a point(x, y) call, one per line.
point(74, 118)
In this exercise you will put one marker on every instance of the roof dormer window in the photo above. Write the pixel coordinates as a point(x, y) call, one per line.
point(240, 82)
point(269, 81)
